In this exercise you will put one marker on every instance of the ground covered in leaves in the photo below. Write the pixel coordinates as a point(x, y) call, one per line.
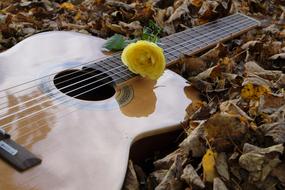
point(236, 131)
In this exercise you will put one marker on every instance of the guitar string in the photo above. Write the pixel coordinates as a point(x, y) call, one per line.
point(51, 92)
point(96, 60)
point(34, 113)
point(54, 105)
point(65, 75)
point(35, 129)
point(12, 114)
point(38, 127)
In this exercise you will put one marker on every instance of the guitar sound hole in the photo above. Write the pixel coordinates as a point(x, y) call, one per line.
point(86, 84)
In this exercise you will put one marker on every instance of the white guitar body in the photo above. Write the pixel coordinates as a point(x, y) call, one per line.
point(82, 144)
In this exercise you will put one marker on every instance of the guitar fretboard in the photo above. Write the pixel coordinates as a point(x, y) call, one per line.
point(190, 41)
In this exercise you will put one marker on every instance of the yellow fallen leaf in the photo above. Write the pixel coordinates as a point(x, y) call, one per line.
point(208, 163)
point(144, 58)
point(250, 91)
point(67, 6)
point(247, 91)
point(197, 3)
point(78, 16)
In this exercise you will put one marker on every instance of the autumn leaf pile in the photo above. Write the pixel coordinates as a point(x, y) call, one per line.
point(236, 128)
point(236, 131)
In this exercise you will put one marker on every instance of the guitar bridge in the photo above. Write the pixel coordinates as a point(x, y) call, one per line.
point(14, 154)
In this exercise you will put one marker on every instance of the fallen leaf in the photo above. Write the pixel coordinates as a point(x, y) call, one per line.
point(196, 3)
point(259, 162)
point(209, 164)
point(222, 130)
point(191, 177)
point(274, 130)
point(194, 143)
point(68, 6)
point(254, 91)
point(192, 66)
point(232, 108)
point(167, 161)
point(279, 172)
point(131, 181)
point(171, 179)
point(270, 103)
point(253, 68)
point(214, 54)
point(219, 184)
point(156, 177)
point(222, 166)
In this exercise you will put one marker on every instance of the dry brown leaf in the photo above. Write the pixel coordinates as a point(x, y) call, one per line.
point(194, 143)
point(279, 172)
point(215, 54)
point(252, 44)
point(219, 184)
point(179, 12)
point(171, 181)
point(223, 130)
point(270, 103)
point(222, 166)
point(166, 162)
point(259, 162)
point(231, 107)
point(191, 177)
point(192, 66)
point(274, 130)
point(253, 68)
point(131, 180)
point(157, 176)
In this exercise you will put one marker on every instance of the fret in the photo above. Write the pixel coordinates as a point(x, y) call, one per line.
point(172, 55)
point(223, 33)
point(117, 63)
point(104, 64)
point(169, 41)
point(187, 34)
point(197, 33)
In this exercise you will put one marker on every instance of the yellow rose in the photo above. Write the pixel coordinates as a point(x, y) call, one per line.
point(144, 58)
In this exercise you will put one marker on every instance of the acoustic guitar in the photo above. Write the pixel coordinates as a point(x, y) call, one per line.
point(69, 113)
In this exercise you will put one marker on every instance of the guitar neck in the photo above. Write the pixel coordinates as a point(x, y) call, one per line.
point(194, 40)
point(188, 42)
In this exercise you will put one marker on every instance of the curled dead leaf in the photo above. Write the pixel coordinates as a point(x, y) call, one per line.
point(131, 181)
point(194, 143)
point(166, 162)
point(179, 12)
point(219, 184)
point(253, 68)
point(279, 172)
point(259, 162)
point(274, 130)
point(215, 54)
point(191, 177)
point(222, 166)
point(192, 66)
point(224, 130)
point(232, 108)
point(156, 177)
point(270, 103)
point(172, 177)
